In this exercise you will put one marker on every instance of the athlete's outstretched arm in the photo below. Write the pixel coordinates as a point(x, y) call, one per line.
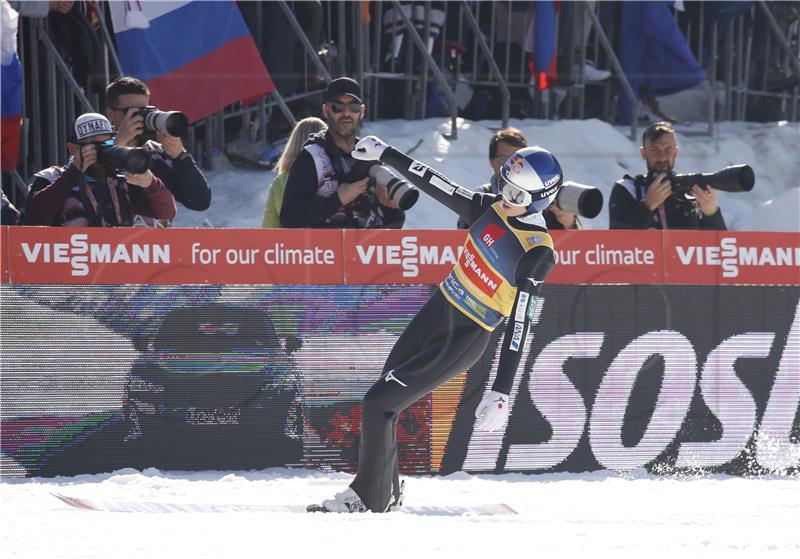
point(466, 203)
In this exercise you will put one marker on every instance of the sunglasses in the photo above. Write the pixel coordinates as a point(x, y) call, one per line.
point(106, 143)
point(352, 106)
point(514, 195)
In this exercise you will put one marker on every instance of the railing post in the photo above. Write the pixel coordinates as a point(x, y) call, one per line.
point(437, 73)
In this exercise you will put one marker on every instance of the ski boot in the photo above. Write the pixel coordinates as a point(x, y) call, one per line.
point(346, 501)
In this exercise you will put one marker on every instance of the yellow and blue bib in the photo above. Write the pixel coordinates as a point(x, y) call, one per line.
point(482, 284)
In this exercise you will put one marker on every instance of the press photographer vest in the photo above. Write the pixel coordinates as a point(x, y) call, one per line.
point(334, 170)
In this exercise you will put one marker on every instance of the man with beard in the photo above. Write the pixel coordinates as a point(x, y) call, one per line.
point(326, 187)
point(647, 202)
point(86, 192)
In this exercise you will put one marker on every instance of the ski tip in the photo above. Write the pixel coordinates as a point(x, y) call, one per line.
point(74, 502)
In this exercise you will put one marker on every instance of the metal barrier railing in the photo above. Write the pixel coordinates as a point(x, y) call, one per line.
point(475, 44)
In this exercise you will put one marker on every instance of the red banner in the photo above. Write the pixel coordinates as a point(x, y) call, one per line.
point(172, 256)
point(732, 257)
point(44, 255)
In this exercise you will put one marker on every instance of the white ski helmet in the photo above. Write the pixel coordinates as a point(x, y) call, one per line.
point(531, 178)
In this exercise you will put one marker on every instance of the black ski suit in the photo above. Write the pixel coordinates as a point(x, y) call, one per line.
point(499, 273)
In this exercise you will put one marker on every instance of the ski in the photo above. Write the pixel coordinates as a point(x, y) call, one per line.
point(156, 507)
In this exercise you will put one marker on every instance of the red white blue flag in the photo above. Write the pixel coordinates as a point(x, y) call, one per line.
point(11, 82)
point(196, 57)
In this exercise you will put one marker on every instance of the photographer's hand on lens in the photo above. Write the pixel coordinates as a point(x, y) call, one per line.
point(143, 180)
point(130, 127)
point(658, 191)
point(352, 190)
point(172, 146)
point(86, 157)
point(382, 193)
point(706, 199)
point(369, 148)
point(564, 218)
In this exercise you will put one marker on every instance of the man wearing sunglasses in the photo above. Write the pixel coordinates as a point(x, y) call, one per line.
point(507, 255)
point(169, 160)
point(326, 187)
point(87, 193)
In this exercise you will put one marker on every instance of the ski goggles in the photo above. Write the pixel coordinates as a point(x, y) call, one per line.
point(514, 195)
point(352, 106)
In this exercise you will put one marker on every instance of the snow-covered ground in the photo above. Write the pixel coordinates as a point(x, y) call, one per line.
point(604, 514)
point(590, 152)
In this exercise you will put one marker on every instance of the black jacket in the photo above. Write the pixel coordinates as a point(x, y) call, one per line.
point(181, 176)
point(626, 210)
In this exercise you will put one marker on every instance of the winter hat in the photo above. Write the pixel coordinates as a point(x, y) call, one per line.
point(92, 124)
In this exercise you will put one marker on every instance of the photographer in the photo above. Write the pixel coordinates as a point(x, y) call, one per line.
point(504, 142)
point(170, 162)
point(89, 191)
point(651, 201)
point(326, 187)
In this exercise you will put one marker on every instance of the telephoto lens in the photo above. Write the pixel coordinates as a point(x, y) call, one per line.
point(581, 199)
point(174, 123)
point(735, 178)
point(133, 160)
point(405, 195)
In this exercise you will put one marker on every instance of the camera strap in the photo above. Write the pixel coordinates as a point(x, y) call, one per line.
point(100, 208)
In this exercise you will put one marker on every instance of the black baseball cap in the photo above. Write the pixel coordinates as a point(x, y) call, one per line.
point(343, 86)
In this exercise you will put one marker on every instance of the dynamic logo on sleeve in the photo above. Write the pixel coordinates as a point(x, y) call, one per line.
point(492, 234)
point(516, 338)
point(478, 272)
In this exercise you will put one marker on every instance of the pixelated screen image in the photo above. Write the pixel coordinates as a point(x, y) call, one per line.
point(97, 378)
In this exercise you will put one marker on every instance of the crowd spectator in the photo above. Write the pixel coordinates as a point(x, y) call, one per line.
point(326, 187)
point(169, 160)
point(505, 142)
point(648, 201)
point(303, 129)
point(88, 193)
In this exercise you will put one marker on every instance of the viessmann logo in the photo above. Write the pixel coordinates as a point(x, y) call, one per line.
point(477, 270)
point(79, 253)
point(730, 256)
point(409, 254)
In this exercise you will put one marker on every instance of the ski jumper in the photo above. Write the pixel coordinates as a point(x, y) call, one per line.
point(499, 274)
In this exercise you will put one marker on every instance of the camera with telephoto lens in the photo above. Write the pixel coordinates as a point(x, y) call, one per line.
point(133, 160)
point(401, 192)
point(174, 123)
point(735, 178)
point(581, 199)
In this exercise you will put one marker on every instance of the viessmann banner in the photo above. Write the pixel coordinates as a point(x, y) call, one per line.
point(282, 256)
point(197, 349)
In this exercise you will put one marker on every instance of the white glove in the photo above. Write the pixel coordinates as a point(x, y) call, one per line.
point(369, 148)
point(494, 408)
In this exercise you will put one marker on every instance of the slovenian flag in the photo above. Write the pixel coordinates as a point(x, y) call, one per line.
point(11, 86)
point(196, 57)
